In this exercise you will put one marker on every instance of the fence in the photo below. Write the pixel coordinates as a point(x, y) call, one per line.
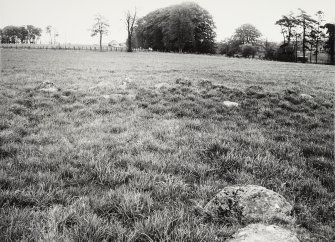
point(70, 47)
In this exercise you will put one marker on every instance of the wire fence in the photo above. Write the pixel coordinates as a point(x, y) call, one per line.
point(71, 47)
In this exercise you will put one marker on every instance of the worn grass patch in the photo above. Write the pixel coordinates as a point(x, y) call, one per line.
point(102, 160)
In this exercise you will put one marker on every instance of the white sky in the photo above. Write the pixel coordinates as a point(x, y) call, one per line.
point(73, 18)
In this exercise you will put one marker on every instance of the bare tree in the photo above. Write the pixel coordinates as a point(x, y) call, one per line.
point(55, 34)
point(100, 27)
point(247, 34)
point(49, 31)
point(130, 21)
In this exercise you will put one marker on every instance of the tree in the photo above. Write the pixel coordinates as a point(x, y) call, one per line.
point(287, 23)
point(270, 49)
point(22, 34)
point(247, 34)
point(248, 50)
point(330, 43)
point(130, 21)
point(33, 34)
point(317, 33)
point(11, 35)
point(55, 35)
point(48, 30)
point(306, 23)
point(100, 27)
point(182, 27)
point(229, 47)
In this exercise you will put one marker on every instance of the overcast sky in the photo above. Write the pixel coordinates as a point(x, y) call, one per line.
point(73, 18)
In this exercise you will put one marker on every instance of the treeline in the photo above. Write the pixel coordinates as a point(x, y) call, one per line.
point(305, 32)
point(302, 34)
point(185, 27)
point(28, 34)
point(189, 28)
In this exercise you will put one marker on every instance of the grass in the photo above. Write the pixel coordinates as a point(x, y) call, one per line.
point(84, 164)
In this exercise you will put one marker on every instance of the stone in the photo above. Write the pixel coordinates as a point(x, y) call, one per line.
point(255, 91)
point(183, 81)
point(205, 83)
point(161, 85)
point(305, 96)
point(249, 204)
point(47, 87)
point(230, 104)
point(124, 85)
point(113, 98)
point(117, 97)
point(264, 233)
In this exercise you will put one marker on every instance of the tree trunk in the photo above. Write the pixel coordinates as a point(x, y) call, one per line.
point(304, 41)
point(100, 41)
point(296, 48)
point(317, 45)
point(332, 50)
point(129, 43)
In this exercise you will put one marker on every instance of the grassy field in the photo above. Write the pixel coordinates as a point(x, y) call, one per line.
point(84, 164)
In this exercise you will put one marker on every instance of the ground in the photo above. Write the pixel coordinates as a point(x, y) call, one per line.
point(80, 163)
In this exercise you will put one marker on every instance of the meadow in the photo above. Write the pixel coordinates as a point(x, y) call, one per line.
point(131, 146)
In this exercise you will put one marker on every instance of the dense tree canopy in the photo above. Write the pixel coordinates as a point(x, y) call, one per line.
point(184, 27)
point(330, 43)
point(22, 34)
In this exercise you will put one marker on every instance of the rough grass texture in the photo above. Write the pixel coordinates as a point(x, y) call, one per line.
point(83, 164)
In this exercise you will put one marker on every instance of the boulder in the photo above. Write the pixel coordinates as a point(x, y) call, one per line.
point(264, 233)
point(249, 204)
point(230, 104)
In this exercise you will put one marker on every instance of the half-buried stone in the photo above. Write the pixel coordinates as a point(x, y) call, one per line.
point(264, 233)
point(306, 96)
point(47, 87)
point(230, 104)
point(249, 204)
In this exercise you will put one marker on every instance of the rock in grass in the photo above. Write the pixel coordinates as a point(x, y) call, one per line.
point(124, 85)
point(264, 233)
point(249, 204)
point(305, 96)
point(183, 81)
point(161, 85)
point(116, 97)
point(255, 91)
point(47, 87)
point(205, 83)
point(230, 104)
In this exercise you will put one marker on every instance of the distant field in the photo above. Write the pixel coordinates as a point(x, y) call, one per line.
point(99, 159)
